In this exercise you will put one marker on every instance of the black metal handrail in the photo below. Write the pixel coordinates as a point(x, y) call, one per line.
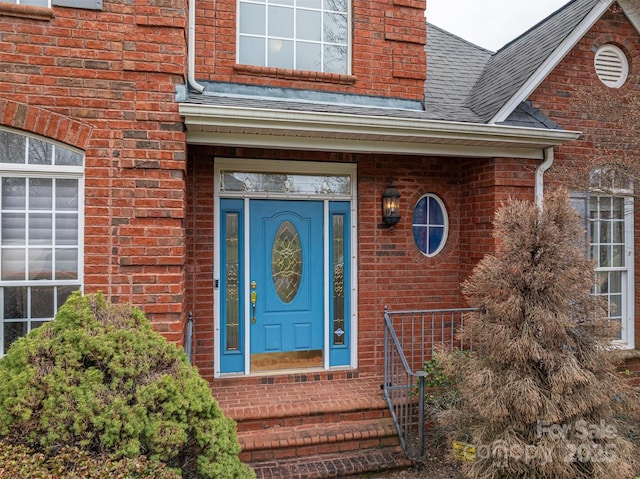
point(410, 339)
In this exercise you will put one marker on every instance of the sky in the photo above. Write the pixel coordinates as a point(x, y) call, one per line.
point(489, 23)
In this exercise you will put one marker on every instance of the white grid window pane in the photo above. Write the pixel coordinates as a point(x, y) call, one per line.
point(66, 229)
point(252, 19)
point(67, 195)
point(14, 193)
point(290, 28)
point(308, 56)
point(280, 54)
point(12, 147)
point(252, 51)
point(40, 235)
point(40, 229)
point(42, 302)
point(64, 157)
point(66, 264)
point(40, 263)
point(280, 22)
point(611, 237)
point(14, 229)
point(13, 264)
point(40, 152)
point(309, 25)
point(36, 3)
point(40, 193)
point(335, 59)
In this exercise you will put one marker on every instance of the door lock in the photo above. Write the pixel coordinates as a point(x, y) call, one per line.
point(253, 298)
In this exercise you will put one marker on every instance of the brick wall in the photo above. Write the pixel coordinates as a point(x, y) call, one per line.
point(391, 270)
point(104, 82)
point(388, 57)
point(573, 96)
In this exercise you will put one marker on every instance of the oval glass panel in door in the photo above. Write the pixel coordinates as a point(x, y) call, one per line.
point(286, 261)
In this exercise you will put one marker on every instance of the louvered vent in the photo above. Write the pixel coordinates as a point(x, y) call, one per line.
point(611, 65)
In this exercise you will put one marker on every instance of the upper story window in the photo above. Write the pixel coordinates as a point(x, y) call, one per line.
point(295, 34)
point(86, 4)
point(41, 218)
point(35, 3)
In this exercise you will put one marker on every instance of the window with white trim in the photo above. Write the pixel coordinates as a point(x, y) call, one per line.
point(294, 34)
point(430, 225)
point(608, 214)
point(85, 4)
point(41, 225)
point(35, 3)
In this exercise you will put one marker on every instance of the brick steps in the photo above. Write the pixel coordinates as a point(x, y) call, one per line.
point(313, 429)
point(336, 465)
point(314, 439)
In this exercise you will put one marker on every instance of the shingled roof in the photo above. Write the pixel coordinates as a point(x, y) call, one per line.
point(468, 83)
point(453, 68)
point(514, 64)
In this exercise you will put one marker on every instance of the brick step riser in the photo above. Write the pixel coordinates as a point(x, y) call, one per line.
point(302, 451)
point(244, 425)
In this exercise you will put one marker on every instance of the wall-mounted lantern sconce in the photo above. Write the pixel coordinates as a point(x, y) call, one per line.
point(391, 205)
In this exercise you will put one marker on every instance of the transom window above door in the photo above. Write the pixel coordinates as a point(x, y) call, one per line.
point(294, 34)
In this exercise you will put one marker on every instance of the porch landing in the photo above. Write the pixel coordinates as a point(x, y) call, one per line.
point(312, 426)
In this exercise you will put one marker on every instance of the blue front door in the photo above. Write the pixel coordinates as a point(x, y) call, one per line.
point(286, 284)
point(284, 294)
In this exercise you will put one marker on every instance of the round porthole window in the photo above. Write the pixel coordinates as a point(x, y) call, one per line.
point(430, 225)
point(612, 66)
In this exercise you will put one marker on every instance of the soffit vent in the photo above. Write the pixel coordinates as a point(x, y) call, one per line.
point(611, 66)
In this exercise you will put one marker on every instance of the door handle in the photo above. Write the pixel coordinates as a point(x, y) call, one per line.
point(254, 299)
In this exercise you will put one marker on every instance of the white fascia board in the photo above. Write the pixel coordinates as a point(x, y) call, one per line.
point(357, 133)
point(552, 61)
point(244, 140)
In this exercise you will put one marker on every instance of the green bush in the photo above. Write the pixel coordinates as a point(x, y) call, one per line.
point(99, 379)
point(20, 462)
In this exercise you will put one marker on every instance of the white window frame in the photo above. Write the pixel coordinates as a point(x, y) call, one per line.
point(48, 171)
point(427, 225)
point(627, 315)
point(84, 4)
point(24, 2)
point(296, 39)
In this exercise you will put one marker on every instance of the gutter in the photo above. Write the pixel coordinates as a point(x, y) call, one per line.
point(539, 179)
point(191, 54)
point(325, 131)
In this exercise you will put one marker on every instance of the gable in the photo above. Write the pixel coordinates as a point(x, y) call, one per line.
point(516, 69)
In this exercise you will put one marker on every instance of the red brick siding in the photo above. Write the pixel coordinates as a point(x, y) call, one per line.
point(388, 56)
point(391, 270)
point(556, 98)
point(104, 82)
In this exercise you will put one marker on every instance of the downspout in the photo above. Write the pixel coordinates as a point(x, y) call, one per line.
point(191, 42)
point(539, 180)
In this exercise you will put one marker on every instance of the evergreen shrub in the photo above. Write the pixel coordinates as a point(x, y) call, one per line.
point(99, 379)
point(20, 462)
